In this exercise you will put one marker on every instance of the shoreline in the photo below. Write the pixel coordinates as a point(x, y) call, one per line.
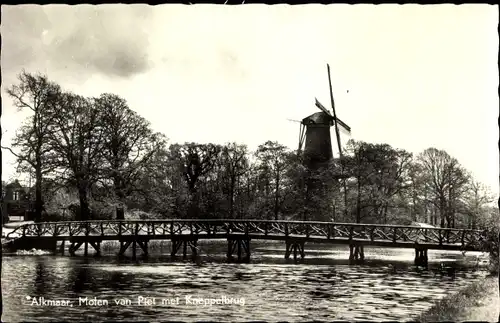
point(477, 302)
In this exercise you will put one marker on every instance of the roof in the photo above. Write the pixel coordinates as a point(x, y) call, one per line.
point(14, 184)
point(318, 118)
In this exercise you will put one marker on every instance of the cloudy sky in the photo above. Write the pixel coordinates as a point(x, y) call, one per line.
point(411, 76)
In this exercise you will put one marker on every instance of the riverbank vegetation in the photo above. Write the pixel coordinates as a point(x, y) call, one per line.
point(477, 302)
point(90, 155)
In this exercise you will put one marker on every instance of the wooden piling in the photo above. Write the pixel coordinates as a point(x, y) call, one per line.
point(287, 249)
point(240, 246)
point(61, 247)
point(421, 258)
point(97, 248)
point(356, 253)
point(239, 249)
point(194, 248)
point(295, 247)
point(184, 243)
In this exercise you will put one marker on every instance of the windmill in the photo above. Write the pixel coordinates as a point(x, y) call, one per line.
point(315, 136)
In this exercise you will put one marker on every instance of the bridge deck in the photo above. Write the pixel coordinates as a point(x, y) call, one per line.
point(392, 236)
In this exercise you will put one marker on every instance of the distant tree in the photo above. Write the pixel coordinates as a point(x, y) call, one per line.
point(62, 203)
point(296, 197)
point(159, 188)
point(356, 165)
point(234, 161)
point(445, 181)
point(478, 201)
point(250, 191)
point(416, 196)
point(127, 144)
point(76, 139)
point(196, 161)
point(380, 173)
point(272, 163)
point(30, 144)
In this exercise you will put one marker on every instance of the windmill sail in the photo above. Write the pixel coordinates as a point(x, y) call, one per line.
point(333, 109)
point(343, 125)
point(322, 107)
point(340, 122)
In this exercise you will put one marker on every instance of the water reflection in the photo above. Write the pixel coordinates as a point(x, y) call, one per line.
point(81, 278)
point(42, 281)
point(324, 286)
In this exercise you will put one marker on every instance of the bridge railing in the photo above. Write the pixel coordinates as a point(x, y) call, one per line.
point(215, 227)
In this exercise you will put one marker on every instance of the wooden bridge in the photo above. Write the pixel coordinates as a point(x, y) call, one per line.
point(186, 233)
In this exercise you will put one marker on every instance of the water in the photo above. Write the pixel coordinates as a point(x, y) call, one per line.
point(321, 287)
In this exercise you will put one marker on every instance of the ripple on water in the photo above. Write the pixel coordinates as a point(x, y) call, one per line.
point(273, 289)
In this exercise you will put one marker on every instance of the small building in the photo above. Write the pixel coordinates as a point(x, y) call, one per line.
point(16, 202)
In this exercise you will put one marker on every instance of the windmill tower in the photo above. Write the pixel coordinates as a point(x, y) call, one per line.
point(315, 136)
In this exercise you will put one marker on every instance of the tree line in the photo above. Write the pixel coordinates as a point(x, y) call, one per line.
point(91, 155)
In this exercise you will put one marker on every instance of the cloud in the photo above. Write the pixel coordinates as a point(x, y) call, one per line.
point(108, 39)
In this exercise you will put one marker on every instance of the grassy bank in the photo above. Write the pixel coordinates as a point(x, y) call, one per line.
point(477, 302)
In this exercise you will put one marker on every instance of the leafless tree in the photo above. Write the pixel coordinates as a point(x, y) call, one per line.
point(30, 144)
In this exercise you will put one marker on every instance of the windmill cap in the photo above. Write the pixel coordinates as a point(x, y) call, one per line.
point(318, 118)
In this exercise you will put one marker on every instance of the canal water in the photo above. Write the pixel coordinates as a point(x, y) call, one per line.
point(323, 286)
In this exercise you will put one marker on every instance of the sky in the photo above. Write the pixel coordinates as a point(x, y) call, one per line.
point(408, 75)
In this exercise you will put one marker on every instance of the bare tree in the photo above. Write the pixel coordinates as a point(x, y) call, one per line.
point(235, 164)
point(37, 94)
point(127, 144)
point(273, 165)
point(381, 175)
point(76, 140)
point(479, 197)
point(196, 161)
point(445, 181)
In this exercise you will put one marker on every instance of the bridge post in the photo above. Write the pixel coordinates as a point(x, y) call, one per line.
point(87, 232)
point(61, 247)
point(74, 247)
point(123, 247)
point(241, 246)
point(421, 256)
point(175, 246)
point(361, 251)
point(97, 247)
point(144, 246)
point(134, 243)
point(295, 246)
point(191, 242)
point(356, 253)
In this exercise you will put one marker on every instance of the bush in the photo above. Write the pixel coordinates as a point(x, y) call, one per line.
point(491, 242)
point(141, 215)
point(493, 248)
point(57, 216)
